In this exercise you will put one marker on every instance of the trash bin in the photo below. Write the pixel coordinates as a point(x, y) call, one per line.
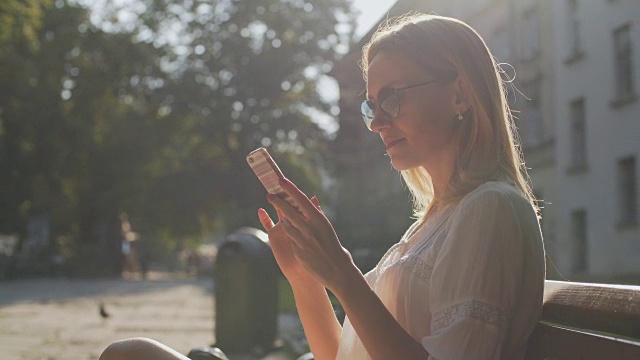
point(246, 293)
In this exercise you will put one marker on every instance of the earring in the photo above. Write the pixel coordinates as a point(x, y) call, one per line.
point(460, 116)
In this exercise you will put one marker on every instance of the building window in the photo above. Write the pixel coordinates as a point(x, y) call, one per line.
point(574, 42)
point(578, 136)
point(579, 240)
point(530, 34)
point(623, 64)
point(627, 195)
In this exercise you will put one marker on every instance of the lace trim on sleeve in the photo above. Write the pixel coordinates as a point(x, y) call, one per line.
point(474, 309)
point(419, 268)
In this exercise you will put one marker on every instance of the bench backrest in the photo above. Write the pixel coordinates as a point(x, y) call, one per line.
point(587, 321)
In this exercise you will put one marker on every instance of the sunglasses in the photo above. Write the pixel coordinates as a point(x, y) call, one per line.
point(388, 100)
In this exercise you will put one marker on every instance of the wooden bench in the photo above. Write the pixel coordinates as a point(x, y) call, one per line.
point(587, 321)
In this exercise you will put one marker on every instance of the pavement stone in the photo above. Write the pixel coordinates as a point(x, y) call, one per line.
point(59, 318)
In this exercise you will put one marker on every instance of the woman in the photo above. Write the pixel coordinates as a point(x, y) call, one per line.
point(466, 280)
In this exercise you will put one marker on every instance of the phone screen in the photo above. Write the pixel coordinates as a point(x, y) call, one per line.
point(268, 173)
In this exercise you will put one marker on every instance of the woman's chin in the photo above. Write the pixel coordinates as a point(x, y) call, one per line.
point(400, 165)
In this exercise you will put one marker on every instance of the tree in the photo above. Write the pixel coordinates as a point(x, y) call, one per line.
point(19, 24)
point(244, 74)
point(64, 106)
point(153, 115)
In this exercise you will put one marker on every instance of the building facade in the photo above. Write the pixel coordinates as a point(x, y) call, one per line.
point(574, 66)
point(596, 66)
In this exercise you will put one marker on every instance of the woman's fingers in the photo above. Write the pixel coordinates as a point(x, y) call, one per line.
point(265, 219)
point(285, 209)
point(298, 197)
point(290, 229)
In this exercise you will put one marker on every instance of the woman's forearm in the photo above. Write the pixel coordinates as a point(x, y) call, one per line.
point(380, 333)
point(320, 324)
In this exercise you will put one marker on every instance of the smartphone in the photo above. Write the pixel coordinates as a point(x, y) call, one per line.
point(268, 173)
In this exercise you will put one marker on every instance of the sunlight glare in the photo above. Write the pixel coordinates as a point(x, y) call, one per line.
point(369, 12)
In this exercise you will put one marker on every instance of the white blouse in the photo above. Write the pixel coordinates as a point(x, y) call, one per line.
point(468, 283)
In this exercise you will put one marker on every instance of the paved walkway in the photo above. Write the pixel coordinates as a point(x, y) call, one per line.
point(59, 319)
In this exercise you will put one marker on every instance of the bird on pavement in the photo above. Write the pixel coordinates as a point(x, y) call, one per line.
point(103, 312)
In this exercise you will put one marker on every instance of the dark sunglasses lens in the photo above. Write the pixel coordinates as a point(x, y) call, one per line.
point(389, 102)
point(368, 111)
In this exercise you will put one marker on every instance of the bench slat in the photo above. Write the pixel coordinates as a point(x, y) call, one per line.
point(554, 342)
point(598, 307)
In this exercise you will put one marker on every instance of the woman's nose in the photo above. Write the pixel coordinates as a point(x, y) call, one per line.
point(380, 122)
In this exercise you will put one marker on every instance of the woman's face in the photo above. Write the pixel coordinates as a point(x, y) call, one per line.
point(423, 131)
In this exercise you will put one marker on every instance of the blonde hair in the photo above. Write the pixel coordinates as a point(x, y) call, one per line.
point(447, 49)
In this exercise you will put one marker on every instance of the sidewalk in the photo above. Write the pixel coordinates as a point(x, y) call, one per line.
point(58, 319)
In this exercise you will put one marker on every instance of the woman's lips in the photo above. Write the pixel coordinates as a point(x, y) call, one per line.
point(393, 143)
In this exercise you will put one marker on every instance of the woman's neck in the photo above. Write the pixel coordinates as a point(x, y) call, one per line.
point(441, 171)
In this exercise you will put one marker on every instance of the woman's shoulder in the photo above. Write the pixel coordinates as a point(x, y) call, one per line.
point(496, 194)
point(497, 206)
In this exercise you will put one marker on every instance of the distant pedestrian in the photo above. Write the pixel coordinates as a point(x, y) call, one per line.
point(142, 256)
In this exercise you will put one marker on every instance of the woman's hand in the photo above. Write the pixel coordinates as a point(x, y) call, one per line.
point(314, 244)
point(282, 250)
point(321, 327)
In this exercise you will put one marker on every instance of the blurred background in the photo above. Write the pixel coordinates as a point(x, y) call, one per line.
point(124, 126)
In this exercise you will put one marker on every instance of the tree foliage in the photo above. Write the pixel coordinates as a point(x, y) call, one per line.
point(151, 108)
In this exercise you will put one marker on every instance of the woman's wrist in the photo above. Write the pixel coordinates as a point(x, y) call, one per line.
point(349, 276)
point(303, 281)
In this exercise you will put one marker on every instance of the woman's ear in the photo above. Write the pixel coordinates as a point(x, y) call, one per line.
point(460, 101)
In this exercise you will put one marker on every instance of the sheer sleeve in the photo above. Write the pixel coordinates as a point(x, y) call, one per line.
point(476, 276)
